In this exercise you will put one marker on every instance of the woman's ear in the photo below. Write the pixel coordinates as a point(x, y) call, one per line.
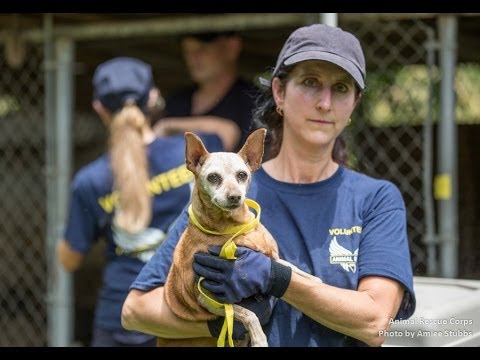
point(357, 98)
point(102, 112)
point(278, 91)
point(156, 101)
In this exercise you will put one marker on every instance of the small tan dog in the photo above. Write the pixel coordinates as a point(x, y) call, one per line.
point(218, 202)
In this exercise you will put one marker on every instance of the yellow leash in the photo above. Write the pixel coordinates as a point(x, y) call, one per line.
point(227, 252)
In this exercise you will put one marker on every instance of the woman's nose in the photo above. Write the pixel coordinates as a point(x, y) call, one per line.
point(324, 101)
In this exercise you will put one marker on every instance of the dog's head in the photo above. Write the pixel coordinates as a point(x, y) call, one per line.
point(224, 176)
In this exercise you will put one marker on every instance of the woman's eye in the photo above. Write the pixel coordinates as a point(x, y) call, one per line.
point(242, 176)
point(310, 82)
point(341, 88)
point(214, 178)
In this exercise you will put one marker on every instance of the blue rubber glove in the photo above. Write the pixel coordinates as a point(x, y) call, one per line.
point(262, 306)
point(251, 273)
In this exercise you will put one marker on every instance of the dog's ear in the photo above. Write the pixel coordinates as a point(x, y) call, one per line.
point(195, 152)
point(252, 151)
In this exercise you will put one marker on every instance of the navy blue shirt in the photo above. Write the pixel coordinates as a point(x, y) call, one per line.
point(341, 229)
point(91, 208)
point(236, 105)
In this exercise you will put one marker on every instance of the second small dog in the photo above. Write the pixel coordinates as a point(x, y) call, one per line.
point(218, 204)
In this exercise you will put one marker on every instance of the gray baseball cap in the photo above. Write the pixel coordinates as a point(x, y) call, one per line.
point(328, 43)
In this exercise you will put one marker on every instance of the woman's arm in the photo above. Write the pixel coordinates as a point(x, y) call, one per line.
point(148, 312)
point(69, 258)
point(361, 313)
point(226, 129)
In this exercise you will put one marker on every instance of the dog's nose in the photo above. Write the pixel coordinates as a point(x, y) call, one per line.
point(234, 199)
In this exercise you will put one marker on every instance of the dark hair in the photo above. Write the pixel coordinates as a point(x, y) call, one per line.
point(265, 115)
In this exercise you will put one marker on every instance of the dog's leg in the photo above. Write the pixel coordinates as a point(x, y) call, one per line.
point(299, 272)
point(246, 317)
point(252, 324)
point(250, 320)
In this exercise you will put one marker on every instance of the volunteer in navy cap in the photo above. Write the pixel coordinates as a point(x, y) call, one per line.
point(128, 197)
point(343, 227)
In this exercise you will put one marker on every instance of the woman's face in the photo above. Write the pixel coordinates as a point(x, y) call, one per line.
point(317, 102)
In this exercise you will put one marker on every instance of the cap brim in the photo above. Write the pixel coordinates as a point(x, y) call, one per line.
point(345, 64)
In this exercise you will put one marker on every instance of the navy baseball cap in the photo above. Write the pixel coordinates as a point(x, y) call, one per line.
point(328, 43)
point(122, 79)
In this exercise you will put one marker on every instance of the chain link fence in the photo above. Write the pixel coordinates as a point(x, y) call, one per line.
point(23, 264)
point(23, 275)
point(385, 136)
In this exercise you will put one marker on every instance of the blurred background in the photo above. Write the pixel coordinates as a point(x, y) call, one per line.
point(417, 125)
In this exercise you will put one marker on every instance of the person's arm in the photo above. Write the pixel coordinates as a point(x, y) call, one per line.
point(147, 311)
point(81, 230)
point(361, 314)
point(226, 129)
point(68, 257)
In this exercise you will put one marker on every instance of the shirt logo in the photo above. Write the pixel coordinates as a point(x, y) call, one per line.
point(161, 183)
point(342, 256)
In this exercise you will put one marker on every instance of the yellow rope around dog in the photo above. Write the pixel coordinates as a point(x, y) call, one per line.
point(228, 252)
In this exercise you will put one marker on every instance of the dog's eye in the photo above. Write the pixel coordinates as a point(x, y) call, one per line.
point(214, 178)
point(242, 176)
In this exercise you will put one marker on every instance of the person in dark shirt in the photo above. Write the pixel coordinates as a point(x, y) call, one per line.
point(219, 91)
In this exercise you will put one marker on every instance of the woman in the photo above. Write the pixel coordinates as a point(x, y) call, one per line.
point(129, 196)
point(345, 228)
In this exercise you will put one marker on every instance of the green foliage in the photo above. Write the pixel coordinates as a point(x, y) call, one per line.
point(467, 86)
point(400, 96)
point(8, 105)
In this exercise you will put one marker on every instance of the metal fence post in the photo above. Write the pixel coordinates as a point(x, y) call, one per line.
point(329, 19)
point(446, 183)
point(60, 306)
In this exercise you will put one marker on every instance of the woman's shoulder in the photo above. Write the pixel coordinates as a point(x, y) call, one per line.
point(378, 189)
point(97, 171)
point(345, 181)
point(369, 181)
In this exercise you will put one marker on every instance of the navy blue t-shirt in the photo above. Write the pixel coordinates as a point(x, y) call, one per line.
point(91, 208)
point(341, 229)
point(236, 105)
